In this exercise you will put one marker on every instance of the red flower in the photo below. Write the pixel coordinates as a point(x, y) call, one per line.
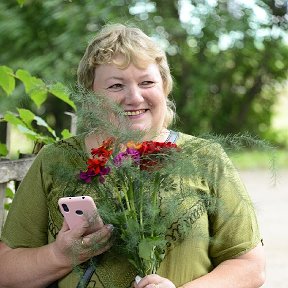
point(153, 153)
point(96, 164)
point(101, 154)
point(151, 147)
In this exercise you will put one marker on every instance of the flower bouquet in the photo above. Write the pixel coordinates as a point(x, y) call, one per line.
point(130, 181)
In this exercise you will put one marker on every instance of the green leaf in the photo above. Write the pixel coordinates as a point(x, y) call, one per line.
point(36, 136)
point(13, 119)
point(3, 149)
point(61, 92)
point(26, 78)
point(39, 93)
point(34, 87)
point(7, 80)
point(27, 116)
point(42, 122)
point(21, 2)
point(7, 206)
point(29, 133)
point(65, 134)
point(21, 126)
point(132, 224)
point(9, 193)
point(146, 248)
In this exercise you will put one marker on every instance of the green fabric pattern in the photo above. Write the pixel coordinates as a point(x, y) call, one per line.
point(34, 218)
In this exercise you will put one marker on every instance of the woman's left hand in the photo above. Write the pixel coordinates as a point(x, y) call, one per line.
point(154, 281)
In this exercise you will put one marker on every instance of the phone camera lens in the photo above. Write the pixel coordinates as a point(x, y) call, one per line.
point(65, 208)
point(79, 212)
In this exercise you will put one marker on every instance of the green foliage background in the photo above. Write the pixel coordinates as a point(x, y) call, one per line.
point(225, 60)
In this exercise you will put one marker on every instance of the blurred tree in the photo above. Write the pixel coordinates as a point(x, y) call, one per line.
point(47, 38)
point(225, 55)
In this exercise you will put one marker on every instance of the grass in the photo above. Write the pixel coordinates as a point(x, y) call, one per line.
point(254, 159)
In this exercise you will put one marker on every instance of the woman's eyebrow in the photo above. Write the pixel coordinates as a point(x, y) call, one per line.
point(145, 75)
point(114, 78)
point(122, 78)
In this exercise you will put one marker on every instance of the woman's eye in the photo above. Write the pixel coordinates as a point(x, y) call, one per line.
point(115, 87)
point(147, 84)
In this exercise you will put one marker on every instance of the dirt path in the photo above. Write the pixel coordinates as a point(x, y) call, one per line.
point(271, 203)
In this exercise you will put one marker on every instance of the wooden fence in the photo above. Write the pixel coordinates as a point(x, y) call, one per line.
point(11, 170)
point(15, 170)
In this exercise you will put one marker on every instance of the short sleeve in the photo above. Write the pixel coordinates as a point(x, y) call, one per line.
point(26, 223)
point(233, 224)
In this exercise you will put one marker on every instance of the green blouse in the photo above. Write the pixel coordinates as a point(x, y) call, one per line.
point(227, 231)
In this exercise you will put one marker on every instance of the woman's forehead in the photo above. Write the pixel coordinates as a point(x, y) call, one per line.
point(111, 70)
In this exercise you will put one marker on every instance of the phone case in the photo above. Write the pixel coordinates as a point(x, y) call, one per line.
point(76, 209)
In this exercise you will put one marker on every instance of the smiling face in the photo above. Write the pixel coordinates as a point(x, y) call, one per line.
point(138, 91)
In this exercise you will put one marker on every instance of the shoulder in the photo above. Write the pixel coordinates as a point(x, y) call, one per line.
point(184, 138)
point(72, 144)
point(204, 151)
point(198, 143)
point(65, 152)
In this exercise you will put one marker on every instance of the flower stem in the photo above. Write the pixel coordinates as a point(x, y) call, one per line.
point(156, 186)
point(126, 197)
point(141, 210)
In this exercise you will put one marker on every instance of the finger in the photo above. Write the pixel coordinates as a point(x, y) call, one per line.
point(96, 222)
point(99, 236)
point(65, 226)
point(80, 230)
point(103, 249)
point(89, 253)
point(149, 281)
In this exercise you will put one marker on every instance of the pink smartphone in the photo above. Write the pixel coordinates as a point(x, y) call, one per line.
point(78, 209)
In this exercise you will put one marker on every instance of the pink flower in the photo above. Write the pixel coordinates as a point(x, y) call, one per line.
point(130, 153)
point(103, 172)
point(87, 176)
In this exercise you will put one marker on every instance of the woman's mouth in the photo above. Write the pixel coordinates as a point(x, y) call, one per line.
point(134, 112)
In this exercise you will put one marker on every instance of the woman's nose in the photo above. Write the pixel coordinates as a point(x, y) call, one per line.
point(134, 95)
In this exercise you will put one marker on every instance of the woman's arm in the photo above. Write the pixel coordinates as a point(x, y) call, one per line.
point(39, 267)
point(30, 267)
point(245, 271)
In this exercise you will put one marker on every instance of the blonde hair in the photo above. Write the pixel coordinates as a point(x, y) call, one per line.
point(136, 47)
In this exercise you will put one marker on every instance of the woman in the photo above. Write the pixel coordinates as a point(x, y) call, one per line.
point(127, 67)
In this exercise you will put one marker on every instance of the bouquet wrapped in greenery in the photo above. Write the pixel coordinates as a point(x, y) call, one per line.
point(136, 174)
point(142, 186)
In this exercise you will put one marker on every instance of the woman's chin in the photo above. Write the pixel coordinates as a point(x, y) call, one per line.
point(150, 134)
point(144, 133)
point(139, 127)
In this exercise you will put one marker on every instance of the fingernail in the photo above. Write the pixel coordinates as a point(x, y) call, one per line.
point(137, 279)
point(110, 227)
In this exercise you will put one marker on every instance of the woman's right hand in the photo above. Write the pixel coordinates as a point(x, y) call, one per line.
point(72, 248)
point(55, 260)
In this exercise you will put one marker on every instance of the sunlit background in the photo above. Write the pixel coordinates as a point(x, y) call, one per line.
point(228, 58)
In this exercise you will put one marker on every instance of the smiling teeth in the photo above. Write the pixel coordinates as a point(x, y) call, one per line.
point(133, 113)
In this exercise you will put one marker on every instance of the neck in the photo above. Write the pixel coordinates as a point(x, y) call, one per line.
point(161, 136)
